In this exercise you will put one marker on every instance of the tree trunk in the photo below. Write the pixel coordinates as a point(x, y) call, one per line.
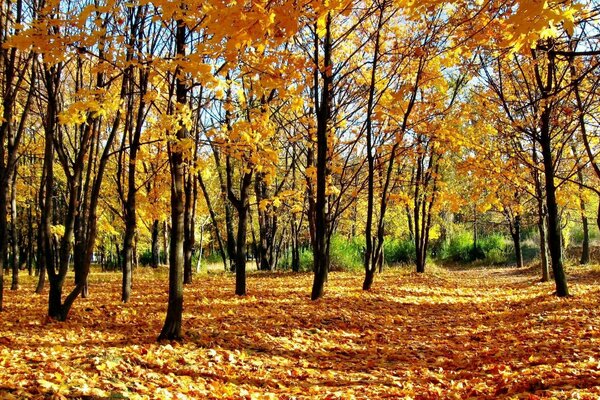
point(320, 247)
point(543, 249)
point(585, 248)
point(134, 131)
point(128, 255)
point(213, 218)
point(165, 238)
point(231, 245)
point(14, 244)
point(3, 240)
point(267, 225)
point(242, 206)
point(240, 259)
point(188, 241)
point(516, 236)
point(30, 235)
point(172, 327)
point(155, 246)
point(201, 250)
point(541, 211)
point(554, 242)
point(369, 239)
point(295, 246)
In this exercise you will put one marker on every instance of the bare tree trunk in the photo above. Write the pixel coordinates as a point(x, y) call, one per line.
point(213, 218)
point(172, 327)
point(14, 244)
point(554, 229)
point(515, 233)
point(320, 246)
point(155, 247)
point(166, 242)
point(188, 241)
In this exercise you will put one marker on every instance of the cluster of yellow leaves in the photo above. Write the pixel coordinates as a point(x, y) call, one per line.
point(483, 333)
point(94, 103)
point(250, 142)
point(535, 20)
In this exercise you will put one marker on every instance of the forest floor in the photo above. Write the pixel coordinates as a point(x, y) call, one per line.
point(451, 333)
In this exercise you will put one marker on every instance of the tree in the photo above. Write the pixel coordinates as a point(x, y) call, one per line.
point(15, 74)
point(172, 327)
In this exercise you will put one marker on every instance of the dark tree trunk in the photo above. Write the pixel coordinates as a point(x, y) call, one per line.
point(42, 240)
point(3, 240)
point(541, 211)
point(295, 246)
point(323, 110)
point(267, 226)
point(14, 244)
point(585, 254)
point(411, 229)
point(242, 205)
point(155, 246)
point(55, 299)
point(585, 247)
point(425, 192)
point(554, 241)
point(127, 256)
point(213, 218)
point(172, 327)
point(133, 133)
point(165, 238)
point(13, 70)
point(231, 245)
point(368, 281)
point(188, 241)
point(30, 253)
point(370, 241)
point(515, 233)
point(240, 259)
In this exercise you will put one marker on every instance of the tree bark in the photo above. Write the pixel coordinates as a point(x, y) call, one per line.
point(370, 241)
point(320, 247)
point(14, 243)
point(213, 218)
point(242, 205)
point(166, 241)
point(554, 241)
point(172, 327)
point(155, 246)
point(516, 236)
point(188, 241)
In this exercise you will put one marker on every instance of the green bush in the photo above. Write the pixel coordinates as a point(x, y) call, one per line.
point(145, 257)
point(306, 260)
point(399, 251)
point(577, 233)
point(491, 242)
point(212, 258)
point(459, 248)
point(345, 254)
point(490, 249)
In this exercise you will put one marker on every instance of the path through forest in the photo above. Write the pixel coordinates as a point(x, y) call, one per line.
point(479, 333)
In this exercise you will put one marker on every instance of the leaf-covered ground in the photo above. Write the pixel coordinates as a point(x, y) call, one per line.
point(483, 333)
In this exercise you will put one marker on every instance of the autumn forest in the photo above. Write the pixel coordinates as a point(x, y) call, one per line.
point(299, 199)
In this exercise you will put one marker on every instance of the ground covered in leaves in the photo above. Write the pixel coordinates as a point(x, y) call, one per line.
point(473, 333)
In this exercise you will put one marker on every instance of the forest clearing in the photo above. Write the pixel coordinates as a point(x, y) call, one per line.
point(470, 333)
